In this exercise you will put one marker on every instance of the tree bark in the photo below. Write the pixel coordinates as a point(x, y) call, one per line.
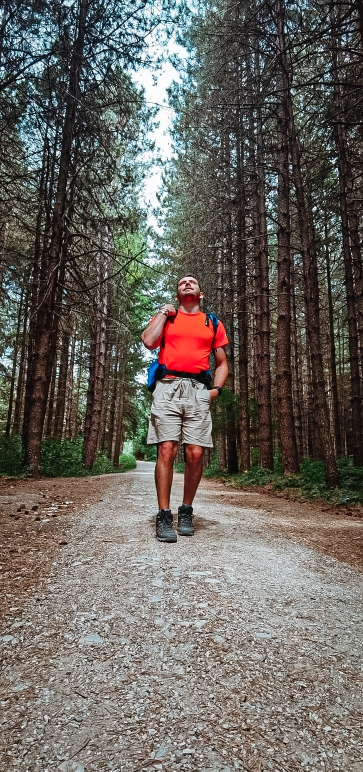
point(49, 417)
point(333, 365)
point(262, 290)
point(119, 433)
point(13, 373)
point(311, 293)
point(295, 371)
point(112, 416)
point(62, 382)
point(47, 318)
point(289, 455)
point(98, 377)
point(21, 374)
point(344, 186)
point(242, 311)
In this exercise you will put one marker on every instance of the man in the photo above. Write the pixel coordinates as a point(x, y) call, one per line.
point(181, 404)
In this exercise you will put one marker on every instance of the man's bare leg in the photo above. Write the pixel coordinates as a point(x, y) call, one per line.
point(164, 472)
point(193, 472)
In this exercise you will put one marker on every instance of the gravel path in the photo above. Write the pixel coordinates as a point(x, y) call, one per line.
point(235, 649)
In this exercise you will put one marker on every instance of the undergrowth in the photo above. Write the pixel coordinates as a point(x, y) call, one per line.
point(59, 459)
point(308, 484)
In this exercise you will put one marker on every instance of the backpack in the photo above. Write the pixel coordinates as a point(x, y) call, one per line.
point(156, 371)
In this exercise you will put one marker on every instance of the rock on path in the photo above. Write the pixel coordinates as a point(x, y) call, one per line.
point(235, 649)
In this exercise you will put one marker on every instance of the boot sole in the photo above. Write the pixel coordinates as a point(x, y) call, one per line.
point(167, 541)
point(182, 533)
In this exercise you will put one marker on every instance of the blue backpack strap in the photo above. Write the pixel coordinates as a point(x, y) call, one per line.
point(214, 319)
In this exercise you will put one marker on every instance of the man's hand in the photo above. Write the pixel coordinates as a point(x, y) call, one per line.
point(168, 308)
point(214, 393)
point(153, 334)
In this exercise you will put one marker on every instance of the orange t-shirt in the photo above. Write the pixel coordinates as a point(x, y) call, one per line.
point(187, 342)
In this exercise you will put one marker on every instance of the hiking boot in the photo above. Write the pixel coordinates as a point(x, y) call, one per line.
point(164, 526)
point(185, 520)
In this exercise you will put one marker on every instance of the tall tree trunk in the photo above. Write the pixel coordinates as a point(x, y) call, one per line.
point(4, 230)
point(76, 422)
point(105, 405)
point(311, 293)
point(62, 382)
point(344, 185)
point(296, 393)
point(70, 406)
point(263, 353)
point(231, 429)
point(119, 433)
point(289, 455)
point(242, 312)
point(49, 417)
point(98, 379)
point(13, 373)
point(112, 416)
point(21, 374)
point(51, 267)
point(33, 303)
point(333, 365)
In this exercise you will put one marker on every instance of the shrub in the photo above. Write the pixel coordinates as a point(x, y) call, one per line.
point(62, 459)
point(59, 459)
point(126, 462)
point(11, 456)
point(102, 464)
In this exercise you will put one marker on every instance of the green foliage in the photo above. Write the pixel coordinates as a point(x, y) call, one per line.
point(140, 447)
point(313, 479)
point(10, 457)
point(126, 462)
point(254, 476)
point(179, 466)
point(102, 465)
point(138, 437)
point(213, 470)
point(62, 459)
point(309, 484)
point(59, 459)
point(226, 411)
point(255, 456)
point(351, 482)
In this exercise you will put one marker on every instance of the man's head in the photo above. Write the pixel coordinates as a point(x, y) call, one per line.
point(188, 289)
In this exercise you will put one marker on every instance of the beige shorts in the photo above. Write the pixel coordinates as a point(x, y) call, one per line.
point(180, 408)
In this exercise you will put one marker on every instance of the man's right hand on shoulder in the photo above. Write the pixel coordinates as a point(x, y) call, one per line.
point(153, 334)
point(167, 310)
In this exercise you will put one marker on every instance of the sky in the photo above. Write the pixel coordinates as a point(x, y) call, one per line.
point(155, 85)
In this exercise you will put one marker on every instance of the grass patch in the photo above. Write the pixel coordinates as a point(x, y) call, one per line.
point(126, 462)
point(59, 459)
point(309, 483)
point(179, 466)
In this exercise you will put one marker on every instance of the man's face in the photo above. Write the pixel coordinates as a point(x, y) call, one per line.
point(188, 287)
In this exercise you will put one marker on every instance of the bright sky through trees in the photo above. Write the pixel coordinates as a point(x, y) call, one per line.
point(156, 85)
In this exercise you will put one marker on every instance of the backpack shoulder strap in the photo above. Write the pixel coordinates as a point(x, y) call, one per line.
point(214, 319)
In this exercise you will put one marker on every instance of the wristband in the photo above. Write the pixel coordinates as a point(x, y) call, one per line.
point(219, 389)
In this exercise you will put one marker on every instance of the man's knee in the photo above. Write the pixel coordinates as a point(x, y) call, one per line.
point(194, 453)
point(167, 451)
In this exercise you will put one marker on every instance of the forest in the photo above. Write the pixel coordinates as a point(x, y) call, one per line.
point(261, 201)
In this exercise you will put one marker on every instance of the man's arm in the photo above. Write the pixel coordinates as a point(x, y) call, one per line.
point(221, 373)
point(152, 335)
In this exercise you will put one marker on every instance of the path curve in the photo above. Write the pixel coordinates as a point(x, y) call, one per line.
point(235, 649)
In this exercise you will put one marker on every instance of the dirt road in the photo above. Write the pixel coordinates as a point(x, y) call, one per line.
point(235, 649)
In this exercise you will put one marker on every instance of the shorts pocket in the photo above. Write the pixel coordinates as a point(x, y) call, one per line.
point(203, 396)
